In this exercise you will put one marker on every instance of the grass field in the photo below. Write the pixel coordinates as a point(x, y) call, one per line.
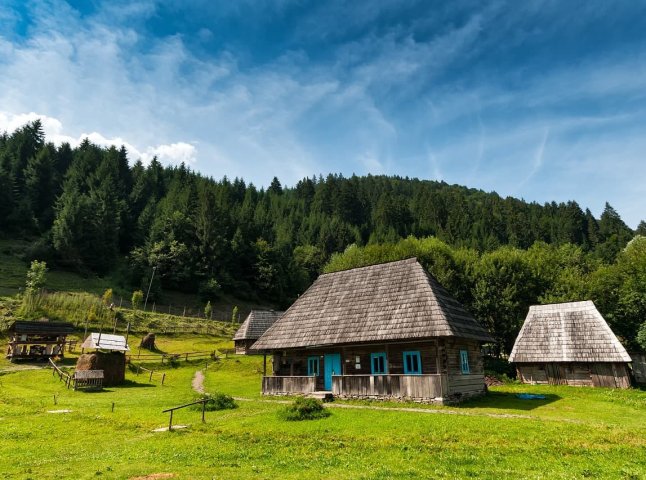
point(574, 433)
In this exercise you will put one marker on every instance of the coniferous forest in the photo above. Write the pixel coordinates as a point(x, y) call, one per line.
point(93, 209)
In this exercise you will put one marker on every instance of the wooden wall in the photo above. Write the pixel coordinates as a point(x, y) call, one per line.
point(613, 375)
point(439, 356)
point(242, 346)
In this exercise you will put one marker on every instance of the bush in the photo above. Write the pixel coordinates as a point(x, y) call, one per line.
point(304, 409)
point(216, 401)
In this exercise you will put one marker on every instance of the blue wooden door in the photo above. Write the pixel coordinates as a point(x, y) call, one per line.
point(332, 367)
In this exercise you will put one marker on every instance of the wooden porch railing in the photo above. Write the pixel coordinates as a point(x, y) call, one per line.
point(397, 386)
point(288, 385)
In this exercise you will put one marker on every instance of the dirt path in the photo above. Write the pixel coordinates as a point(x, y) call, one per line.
point(198, 382)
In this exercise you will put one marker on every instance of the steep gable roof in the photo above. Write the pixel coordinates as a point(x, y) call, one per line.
point(567, 332)
point(256, 323)
point(391, 301)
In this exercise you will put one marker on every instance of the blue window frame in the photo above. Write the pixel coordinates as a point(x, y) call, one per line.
point(412, 363)
point(313, 366)
point(464, 361)
point(378, 363)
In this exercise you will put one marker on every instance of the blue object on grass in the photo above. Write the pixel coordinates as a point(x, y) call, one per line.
point(530, 396)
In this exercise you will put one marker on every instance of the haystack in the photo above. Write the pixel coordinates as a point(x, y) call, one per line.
point(148, 342)
point(113, 365)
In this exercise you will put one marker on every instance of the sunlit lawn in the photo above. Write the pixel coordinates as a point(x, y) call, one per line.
point(574, 433)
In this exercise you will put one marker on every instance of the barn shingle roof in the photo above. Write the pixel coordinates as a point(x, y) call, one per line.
point(256, 323)
point(566, 332)
point(105, 341)
point(40, 327)
point(385, 302)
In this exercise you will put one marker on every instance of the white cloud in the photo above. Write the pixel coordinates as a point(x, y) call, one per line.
point(172, 154)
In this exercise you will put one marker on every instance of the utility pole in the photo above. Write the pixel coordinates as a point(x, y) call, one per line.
point(150, 285)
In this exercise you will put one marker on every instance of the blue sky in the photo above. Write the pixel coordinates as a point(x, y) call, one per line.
point(539, 100)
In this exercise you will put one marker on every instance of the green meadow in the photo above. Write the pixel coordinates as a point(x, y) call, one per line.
point(573, 433)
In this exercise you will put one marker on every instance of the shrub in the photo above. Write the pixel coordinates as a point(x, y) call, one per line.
point(304, 409)
point(216, 401)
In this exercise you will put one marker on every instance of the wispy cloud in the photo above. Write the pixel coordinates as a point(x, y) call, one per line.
point(495, 96)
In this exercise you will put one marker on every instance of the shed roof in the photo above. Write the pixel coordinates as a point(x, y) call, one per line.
point(386, 302)
point(256, 323)
point(42, 327)
point(105, 341)
point(566, 332)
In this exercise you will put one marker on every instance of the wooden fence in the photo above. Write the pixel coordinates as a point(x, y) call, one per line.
point(151, 373)
point(174, 357)
point(62, 376)
point(171, 410)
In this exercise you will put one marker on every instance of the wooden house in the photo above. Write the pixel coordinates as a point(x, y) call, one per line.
point(256, 323)
point(382, 331)
point(569, 344)
point(37, 340)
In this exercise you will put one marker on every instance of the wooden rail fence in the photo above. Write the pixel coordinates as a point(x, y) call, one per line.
point(139, 369)
point(62, 376)
point(171, 410)
point(170, 357)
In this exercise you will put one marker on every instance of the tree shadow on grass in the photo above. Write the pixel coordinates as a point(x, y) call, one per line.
point(131, 384)
point(508, 401)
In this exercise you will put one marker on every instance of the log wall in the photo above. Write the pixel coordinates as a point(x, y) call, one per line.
point(612, 375)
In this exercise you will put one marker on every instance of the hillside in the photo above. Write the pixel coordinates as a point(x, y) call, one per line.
point(96, 211)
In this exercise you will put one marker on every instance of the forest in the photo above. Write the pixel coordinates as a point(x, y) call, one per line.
point(92, 209)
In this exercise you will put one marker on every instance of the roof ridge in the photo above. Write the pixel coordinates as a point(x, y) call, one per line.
point(404, 260)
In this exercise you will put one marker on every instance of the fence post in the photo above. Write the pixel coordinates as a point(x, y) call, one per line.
point(203, 410)
point(150, 379)
point(170, 422)
point(187, 356)
point(163, 378)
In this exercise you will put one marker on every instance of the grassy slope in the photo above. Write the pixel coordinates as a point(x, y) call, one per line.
point(577, 433)
point(12, 278)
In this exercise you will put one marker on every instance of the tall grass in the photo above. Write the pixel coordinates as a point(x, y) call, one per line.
point(84, 309)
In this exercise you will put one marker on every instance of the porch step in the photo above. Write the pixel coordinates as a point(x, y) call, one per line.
point(324, 395)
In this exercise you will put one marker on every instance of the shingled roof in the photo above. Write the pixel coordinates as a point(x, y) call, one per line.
point(105, 341)
point(256, 323)
point(40, 327)
point(385, 302)
point(566, 332)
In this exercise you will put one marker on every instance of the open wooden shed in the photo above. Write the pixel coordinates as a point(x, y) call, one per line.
point(256, 323)
point(37, 340)
point(569, 344)
point(382, 331)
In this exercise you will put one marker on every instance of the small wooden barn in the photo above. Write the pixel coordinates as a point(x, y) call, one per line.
point(37, 340)
point(256, 323)
point(382, 331)
point(569, 344)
